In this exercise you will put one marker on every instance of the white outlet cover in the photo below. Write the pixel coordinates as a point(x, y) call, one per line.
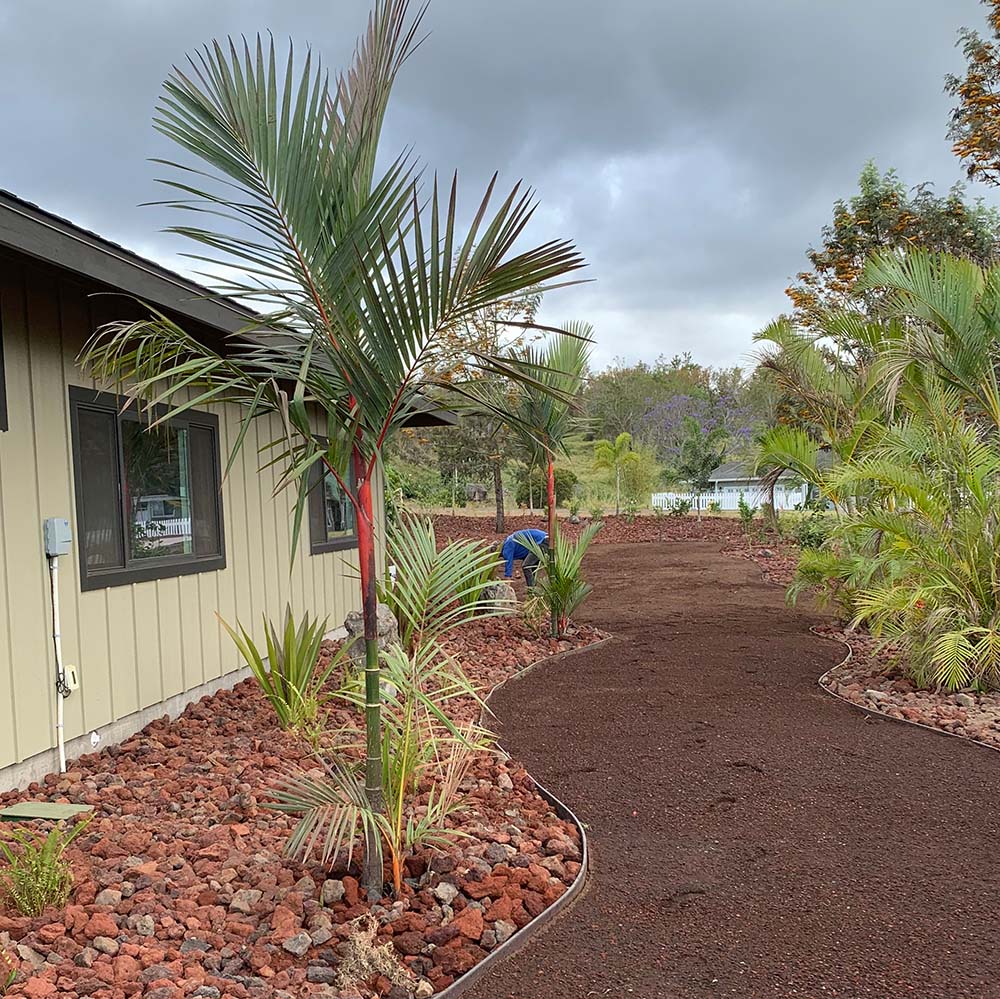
point(95, 739)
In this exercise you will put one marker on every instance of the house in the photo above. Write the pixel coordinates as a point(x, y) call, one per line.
point(162, 541)
point(735, 477)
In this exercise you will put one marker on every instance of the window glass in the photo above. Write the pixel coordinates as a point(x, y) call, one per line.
point(157, 490)
point(331, 514)
point(97, 454)
point(148, 503)
point(337, 509)
point(205, 490)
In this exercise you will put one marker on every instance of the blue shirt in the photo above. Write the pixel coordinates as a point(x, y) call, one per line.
point(513, 551)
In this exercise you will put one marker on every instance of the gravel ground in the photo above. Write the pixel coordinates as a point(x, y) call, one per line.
point(752, 836)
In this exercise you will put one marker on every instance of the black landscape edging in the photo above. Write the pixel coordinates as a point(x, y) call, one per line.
point(524, 935)
point(875, 713)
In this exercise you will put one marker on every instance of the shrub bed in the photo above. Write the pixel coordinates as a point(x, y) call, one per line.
point(182, 889)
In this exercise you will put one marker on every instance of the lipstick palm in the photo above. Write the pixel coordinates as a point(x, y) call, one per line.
point(356, 275)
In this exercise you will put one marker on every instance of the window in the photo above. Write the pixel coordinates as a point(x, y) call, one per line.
point(147, 500)
point(331, 514)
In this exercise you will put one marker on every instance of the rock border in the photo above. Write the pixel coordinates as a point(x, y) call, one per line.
point(524, 935)
point(874, 712)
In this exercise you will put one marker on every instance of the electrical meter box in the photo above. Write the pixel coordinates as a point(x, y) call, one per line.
point(58, 536)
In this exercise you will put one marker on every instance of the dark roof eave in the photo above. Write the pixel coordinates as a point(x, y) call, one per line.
point(31, 230)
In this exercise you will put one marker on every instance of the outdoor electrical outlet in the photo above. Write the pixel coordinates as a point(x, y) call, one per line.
point(72, 678)
point(58, 536)
point(95, 739)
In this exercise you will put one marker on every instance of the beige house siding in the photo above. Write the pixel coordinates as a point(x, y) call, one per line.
point(136, 645)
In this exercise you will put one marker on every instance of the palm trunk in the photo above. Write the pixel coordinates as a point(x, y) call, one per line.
point(552, 530)
point(498, 493)
point(372, 873)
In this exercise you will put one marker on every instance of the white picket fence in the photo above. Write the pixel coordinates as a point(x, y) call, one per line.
point(729, 498)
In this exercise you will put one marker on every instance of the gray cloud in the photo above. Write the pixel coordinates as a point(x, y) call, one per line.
point(692, 149)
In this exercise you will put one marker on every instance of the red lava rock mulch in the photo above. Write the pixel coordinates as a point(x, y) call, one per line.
point(616, 530)
point(182, 889)
point(776, 558)
point(874, 679)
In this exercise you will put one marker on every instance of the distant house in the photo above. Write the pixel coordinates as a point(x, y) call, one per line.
point(733, 479)
point(737, 477)
point(161, 541)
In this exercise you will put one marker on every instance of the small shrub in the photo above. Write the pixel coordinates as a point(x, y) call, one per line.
point(747, 514)
point(287, 675)
point(574, 507)
point(679, 507)
point(714, 506)
point(596, 513)
point(39, 875)
point(631, 511)
point(812, 531)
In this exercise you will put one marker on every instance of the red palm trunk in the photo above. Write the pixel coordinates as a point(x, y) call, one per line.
point(372, 875)
point(556, 630)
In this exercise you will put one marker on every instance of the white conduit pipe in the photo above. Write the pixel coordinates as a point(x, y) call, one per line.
point(60, 672)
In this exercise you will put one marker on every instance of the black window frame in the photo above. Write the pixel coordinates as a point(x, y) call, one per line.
point(317, 515)
point(139, 570)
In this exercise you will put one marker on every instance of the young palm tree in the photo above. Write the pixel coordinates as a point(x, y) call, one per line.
point(611, 456)
point(547, 410)
point(357, 275)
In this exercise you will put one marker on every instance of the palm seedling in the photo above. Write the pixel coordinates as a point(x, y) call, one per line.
point(560, 584)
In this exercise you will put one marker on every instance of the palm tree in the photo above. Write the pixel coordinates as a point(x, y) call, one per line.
point(546, 410)
point(611, 456)
point(357, 275)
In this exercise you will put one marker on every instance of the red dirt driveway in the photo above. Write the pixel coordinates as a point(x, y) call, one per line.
point(751, 835)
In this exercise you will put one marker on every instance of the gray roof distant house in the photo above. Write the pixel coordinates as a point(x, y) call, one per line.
point(741, 473)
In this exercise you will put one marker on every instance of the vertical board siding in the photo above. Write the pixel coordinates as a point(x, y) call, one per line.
point(138, 644)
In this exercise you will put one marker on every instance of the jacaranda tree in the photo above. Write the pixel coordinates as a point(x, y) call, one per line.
point(356, 272)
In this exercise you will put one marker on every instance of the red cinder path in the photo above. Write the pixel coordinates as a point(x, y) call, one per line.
point(752, 836)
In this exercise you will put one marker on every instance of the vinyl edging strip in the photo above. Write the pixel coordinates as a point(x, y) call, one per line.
point(527, 932)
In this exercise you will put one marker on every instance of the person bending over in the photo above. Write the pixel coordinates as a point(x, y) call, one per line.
point(512, 550)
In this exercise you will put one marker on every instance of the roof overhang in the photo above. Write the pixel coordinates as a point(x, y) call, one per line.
point(28, 229)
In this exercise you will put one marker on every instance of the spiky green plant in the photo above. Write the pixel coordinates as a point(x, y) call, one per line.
point(38, 875)
point(287, 673)
point(559, 582)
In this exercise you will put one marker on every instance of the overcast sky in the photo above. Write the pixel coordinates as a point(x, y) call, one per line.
point(692, 149)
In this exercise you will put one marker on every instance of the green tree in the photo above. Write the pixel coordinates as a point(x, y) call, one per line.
point(480, 447)
point(882, 216)
point(974, 128)
point(611, 457)
point(358, 271)
point(701, 453)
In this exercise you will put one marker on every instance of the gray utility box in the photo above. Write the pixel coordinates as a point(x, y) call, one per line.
point(58, 536)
